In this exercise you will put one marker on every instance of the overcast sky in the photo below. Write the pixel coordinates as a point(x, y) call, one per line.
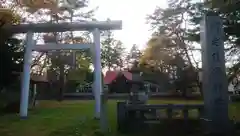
point(132, 13)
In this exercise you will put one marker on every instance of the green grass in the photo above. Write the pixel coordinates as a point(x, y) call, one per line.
point(69, 118)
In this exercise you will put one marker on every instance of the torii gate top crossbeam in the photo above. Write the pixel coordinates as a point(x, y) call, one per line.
point(62, 27)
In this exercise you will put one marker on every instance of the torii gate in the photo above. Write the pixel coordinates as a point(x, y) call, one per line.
point(30, 29)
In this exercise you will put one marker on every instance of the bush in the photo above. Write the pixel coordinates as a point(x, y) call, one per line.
point(10, 99)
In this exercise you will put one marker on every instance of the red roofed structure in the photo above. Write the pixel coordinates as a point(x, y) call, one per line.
point(112, 75)
point(118, 81)
point(128, 75)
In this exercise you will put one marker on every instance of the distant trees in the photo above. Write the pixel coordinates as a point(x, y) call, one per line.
point(133, 57)
point(112, 51)
point(175, 38)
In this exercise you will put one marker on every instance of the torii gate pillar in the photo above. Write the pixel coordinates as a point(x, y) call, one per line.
point(97, 88)
point(26, 76)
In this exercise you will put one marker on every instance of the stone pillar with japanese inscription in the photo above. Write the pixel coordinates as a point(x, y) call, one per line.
point(214, 74)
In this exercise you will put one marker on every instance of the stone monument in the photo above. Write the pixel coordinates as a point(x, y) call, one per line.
point(214, 74)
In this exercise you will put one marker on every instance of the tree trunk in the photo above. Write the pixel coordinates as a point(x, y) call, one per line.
point(200, 88)
point(61, 83)
point(188, 57)
point(184, 90)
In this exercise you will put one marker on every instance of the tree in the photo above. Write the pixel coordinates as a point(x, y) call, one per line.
point(170, 49)
point(229, 13)
point(112, 52)
point(133, 57)
point(161, 57)
point(172, 23)
point(181, 23)
point(219, 3)
point(11, 51)
point(63, 64)
point(79, 73)
point(11, 59)
point(158, 53)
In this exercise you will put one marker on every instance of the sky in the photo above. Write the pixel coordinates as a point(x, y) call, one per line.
point(133, 15)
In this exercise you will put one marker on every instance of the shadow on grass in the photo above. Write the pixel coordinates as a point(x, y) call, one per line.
point(90, 127)
point(165, 127)
point(84, 127)
point(179, 127)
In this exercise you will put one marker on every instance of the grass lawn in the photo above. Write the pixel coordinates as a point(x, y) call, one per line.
point(69, 118)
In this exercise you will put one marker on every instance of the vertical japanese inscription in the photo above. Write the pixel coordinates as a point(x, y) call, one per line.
point(215, 41)
point(216, 33)
point(217, 83)
point(215, 57)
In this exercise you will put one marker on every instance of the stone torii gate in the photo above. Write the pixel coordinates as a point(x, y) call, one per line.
point(95, 27)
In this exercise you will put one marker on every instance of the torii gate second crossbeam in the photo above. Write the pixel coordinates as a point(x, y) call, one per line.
point(94, 26)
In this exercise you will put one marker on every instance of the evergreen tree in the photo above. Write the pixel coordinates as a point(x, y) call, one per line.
point(11, 60)
point(112, 52)
point(181, 22)
point(133, 57)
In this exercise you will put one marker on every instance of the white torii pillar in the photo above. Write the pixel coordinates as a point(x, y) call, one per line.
point(100, 103)
point(26, 76)
point(97, 83)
